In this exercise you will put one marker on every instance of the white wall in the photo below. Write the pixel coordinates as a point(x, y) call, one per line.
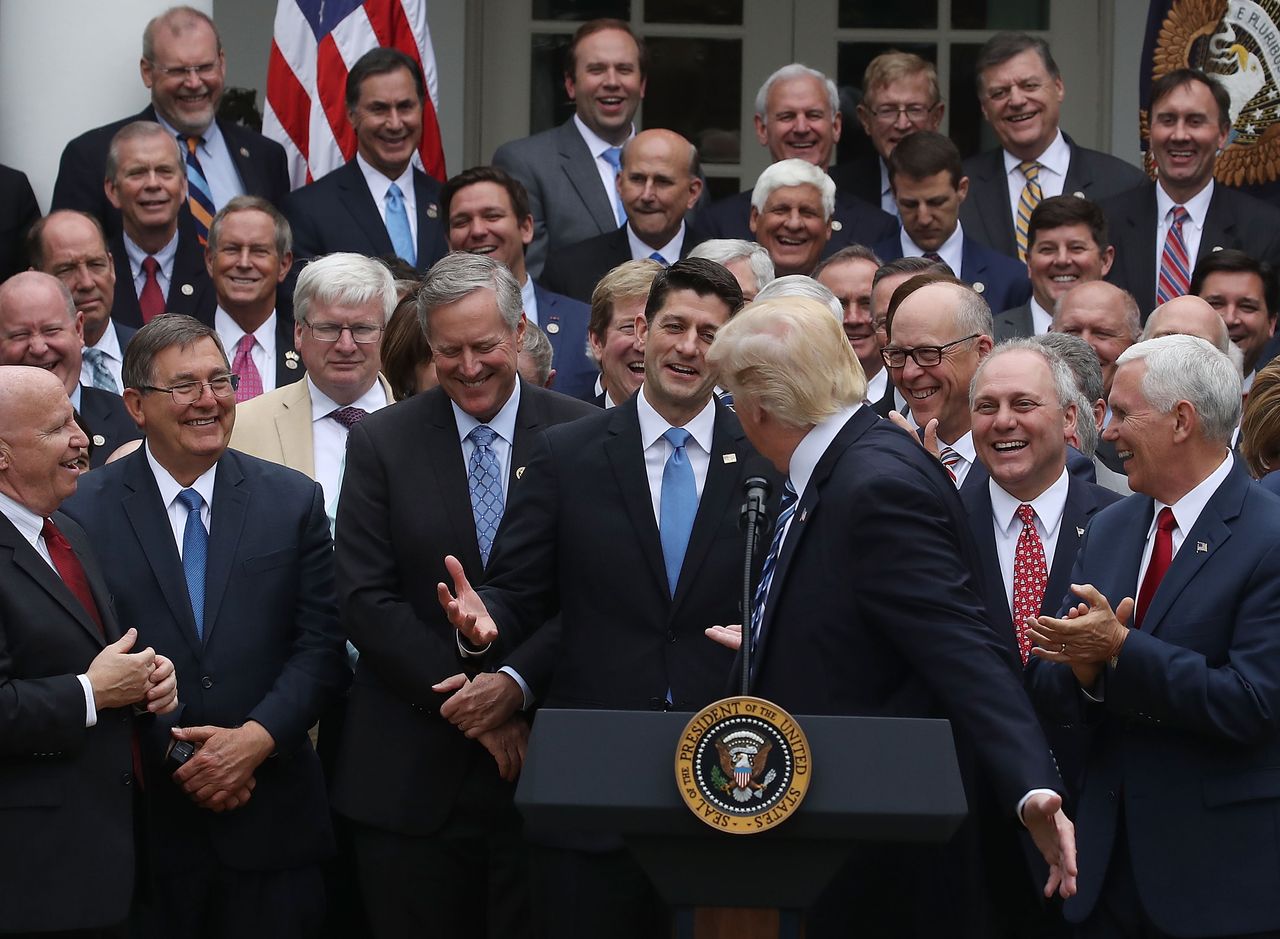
point(1129, 23)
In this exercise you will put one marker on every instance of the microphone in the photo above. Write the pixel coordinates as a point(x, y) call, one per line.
point(756, 491)
point(755, 523)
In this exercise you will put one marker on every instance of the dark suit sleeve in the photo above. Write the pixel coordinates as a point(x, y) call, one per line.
point(19, 211)
point(511, 157)
point(308, 240)
point(80, 179)
point(37, 714)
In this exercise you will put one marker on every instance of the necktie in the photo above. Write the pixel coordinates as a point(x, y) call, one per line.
point(195, 552)
point(242, 365)
point(1030, 578)
point(71, 571)
point(485, 482)
point(348, 416)
point(398, 226)
point(933, 256)
point(102, 377)
point(613, 156)
point(679, 505)
point(950, 460)
point(657, 256)
point(1161, 556)
point(1027, 202)
point(1174, 278)
point(151, 300)
point(199, 195)
point(786, 508)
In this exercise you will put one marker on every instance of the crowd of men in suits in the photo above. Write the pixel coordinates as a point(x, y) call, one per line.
point(270, 667)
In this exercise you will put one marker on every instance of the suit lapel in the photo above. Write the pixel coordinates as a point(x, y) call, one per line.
point(189, 274)
point(226, 522)
point(529, 420)
point(548, 313)
point(242, 156)
point(428, 211)
point(626, 455)
point(124, 308)
point(1219, 225)
point(286, 355)
point(27, 559)
point(1077, 181)
point(977, 503)
point(358, 200)
point(993, 205)
point(1079, 508)
point(717, 491)
point(972, 266)
point(443, 453)
point(1141, 247)
point(294, 426)
point(579, 168)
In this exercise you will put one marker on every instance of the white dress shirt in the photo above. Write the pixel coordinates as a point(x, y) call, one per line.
point(670, 251)
point(887, 202)
point(379, 184)
point(215, 160)
point(109, 346)
point(503, 424)
point(1185, 513)
point(1049, 507)
point(951, 251)
point(598, 145)
point(263, 352)
point(529, 297)
point(657, 449)
point(329, 438)
point(169, 490)
point(877, 385)
point(1052, 177)
point(968, 456)
point(164, 257)
point(1041, 319)
point(1192, 229)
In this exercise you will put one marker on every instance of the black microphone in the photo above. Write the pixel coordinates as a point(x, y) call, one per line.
point(755, 522)
point(756, 491)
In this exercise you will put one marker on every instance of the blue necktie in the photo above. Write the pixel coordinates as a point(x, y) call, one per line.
point(195, 552)
point(679, 505)
point(787, 508)
point(398, 226)
point(199, 193)
point(102, 377)
point(485, 482)
point(656, 256)
point(613, 156)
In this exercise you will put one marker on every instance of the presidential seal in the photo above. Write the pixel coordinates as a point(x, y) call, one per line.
point(742, 765)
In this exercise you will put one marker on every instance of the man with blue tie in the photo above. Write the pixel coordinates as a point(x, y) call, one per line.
point(379, 203)
point(224, 563)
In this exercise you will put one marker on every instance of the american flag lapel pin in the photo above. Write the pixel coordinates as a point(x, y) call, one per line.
point(1201, 547)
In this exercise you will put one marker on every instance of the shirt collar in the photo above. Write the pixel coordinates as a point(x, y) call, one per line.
point(963, 446)
point(322, 405)
point(75, 397)
point(1197, 206)
point(379, 183)
point(28, 523)
point(1048, 506)
point(653, 425)
point(670, 251)
point(225, 325)
point(1056, 158)
point(109, 344)
point(164, 257)
point(951, 251)
point(595, 143)
point(805, 457)
point(210, 137)
point(877, 385)
point(1187, 509)
point(170, 487)
point(503, 423)
point(530, 300)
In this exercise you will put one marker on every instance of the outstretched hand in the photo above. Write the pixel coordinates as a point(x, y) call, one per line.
point(1055, 837)
point(463, 606)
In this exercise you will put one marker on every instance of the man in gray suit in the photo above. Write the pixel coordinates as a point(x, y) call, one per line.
point(570, 170)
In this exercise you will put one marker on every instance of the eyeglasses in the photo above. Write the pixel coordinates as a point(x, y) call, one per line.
point(924, 356)
point(332, 332)
point(916, 113)
point(203, 70)
point(189, 392)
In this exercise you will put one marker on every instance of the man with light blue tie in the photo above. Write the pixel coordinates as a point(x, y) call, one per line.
point(379, 203)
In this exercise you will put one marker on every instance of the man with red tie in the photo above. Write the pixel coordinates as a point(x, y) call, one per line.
point(1172, 654)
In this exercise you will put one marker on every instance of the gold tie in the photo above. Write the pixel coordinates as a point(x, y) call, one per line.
point(1027, 202)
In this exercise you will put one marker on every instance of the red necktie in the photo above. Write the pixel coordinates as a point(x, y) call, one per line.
point(242, 365)
point(950, 460)
point(151, 300)
point(1174, 277)
point(71, 571)
point(1030, 578)
point(1161, 556)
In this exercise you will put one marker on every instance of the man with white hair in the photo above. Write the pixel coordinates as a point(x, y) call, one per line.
point(802, 285)
point(798, 117)
point(791, 208)
point(1181, 684)
point(747, 261)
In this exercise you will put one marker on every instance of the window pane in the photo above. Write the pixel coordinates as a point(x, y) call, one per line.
point(718, 12)
point(581, 9)
point(1000, 14)
point(549, 104)
point(679, 69)
point(969, 129)
point(852, 59)
point(908, 14)
point(718, 187)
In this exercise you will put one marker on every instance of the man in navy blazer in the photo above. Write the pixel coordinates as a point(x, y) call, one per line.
point(487, 212)
point(184, 66)
point(18, 212)
point(1176, 819)
point(843, 626)
point(378, 203)
point(224, 563)
point(930, 188)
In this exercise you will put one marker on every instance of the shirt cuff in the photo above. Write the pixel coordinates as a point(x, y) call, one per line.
point(1022, 803)
point(524, 687)
point(90, 708)
point(468, 650)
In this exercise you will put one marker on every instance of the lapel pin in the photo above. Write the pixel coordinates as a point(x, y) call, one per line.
point(188, 290)
point(1201, 547)
point(1079, 532)
point(553, 328)
point(433, 210)
point(1078, 194)
point(519, 471)
point(730, 457)
point(979, 286)
point(836, 224)
point(291, 359)
point(804, 513)
point(99, 440)
point(244, 152)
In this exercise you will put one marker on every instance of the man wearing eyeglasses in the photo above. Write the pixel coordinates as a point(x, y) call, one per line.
point(184, 66)
point(224, 563)
point(1021, 92)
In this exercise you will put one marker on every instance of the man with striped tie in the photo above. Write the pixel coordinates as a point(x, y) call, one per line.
point(1021, 91)
point(1161, 229)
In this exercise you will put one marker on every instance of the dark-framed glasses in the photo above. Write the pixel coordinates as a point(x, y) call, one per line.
point(924, 356)
point(332, 332)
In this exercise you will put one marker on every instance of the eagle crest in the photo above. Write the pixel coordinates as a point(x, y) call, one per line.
point(743, 756)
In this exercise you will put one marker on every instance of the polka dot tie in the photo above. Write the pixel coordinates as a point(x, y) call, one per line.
point(1030, 578)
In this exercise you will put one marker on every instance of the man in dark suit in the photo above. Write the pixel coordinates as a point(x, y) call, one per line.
point(159, 260)
point(1021, 91)
point(379, 203)
point(39, 326)
point(70, 246)
point(224, 563)
point(930, 189)
point(606, 513)
point(487, 212)
point(569, 171)
point(658, 184)
point(20, 211)
point(437, 838)
point(248, 258)
point(69, 679)
point(843, 627)
point(184, 66)
point(798, 117)
point(850, 275)
point(1161, 229)
point(1176, 817)
point(1246, 295)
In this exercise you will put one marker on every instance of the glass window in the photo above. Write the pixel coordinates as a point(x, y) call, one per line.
point(694, 88)
point(913, 14)
point(969, 129)
point(1000, 14)
point(705, 12)
point(852, 59)
point(549, 103)
point(581, 9)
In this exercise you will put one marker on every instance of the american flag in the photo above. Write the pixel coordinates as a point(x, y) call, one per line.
point(315, 43)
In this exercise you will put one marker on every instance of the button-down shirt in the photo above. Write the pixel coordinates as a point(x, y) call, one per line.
point(529, 297)
point(263, 352)
point(1041, 319)
point(887, 202)
point(670, 251)
point(1054, 163)
point(1049, 507)
point(113, 357)
point(951, 251)
point(968, 456)
point(329, 438)
point(1192, 229)
point(164, 257)
point(657, 449)
point(1185, 513)
point(379, 184)
point(169, 490)
point(598, 145)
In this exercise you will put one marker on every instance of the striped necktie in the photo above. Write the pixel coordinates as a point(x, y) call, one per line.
point(950, 460)
point(199, 195)
point(787, 508)
point(1027, 202)
point(1174, 279)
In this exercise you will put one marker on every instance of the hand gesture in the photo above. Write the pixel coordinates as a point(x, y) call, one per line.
point(219, 777)
point(728, 636)
point(481, 704)
point(506, 744)
point(463, 606)
point(120, 677)
point(1055, 837)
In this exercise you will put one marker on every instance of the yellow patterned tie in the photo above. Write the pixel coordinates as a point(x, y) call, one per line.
point(1027, 202)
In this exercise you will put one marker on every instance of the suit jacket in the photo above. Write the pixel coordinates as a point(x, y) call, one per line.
point(567, 198)
point(272, 650)
point(987, 214)
point(106, 421)
point(860, 178)
point(565, 321)
point(575, 270)
point(405, 505)
point(1015, 323)
point(852, 222)
point(190, 288)
point(18, 211)
point(260, 163)
point(1185, 738)
point(277, 426)
point(124, 334)
point(65, 792)
point(337, 213)
point(1002, 282)
point(1234, 220)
